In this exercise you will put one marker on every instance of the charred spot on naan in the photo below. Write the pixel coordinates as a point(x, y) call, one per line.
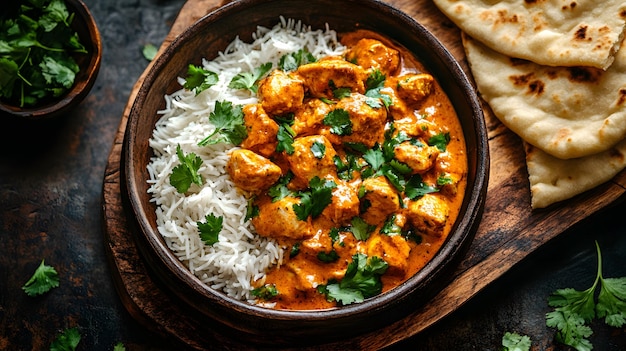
point(571, 6)
point(581, 33)
point(621, 99)
point(535, 86)
point(584, 74)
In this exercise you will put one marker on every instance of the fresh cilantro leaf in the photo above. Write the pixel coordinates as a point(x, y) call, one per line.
point(573, 308)
point(440, 140)
point(318, 149)
point(374, 80)
point(339, 122)
point(149, 51)
point(66, 341)
point(314, 201)
point(265, 292)
point(279, 190)
point(252, 210)
point(44, 279)
point(416, 188)
point(341, 93)
point(515, 342)
point(285, 137)
point(361, 229)
point(374, 157)
point(58, 71)
point(186, 172)
point(373, 85)
point(228, 122)
point(390, 227)
point(328, 257)
point(119, 347)
point(291, 61)
point(295, 250)
point(199, 79)
point(210, 229)
point(394, 176)
point(249, 80)
point(443, 179)
point(362, 280)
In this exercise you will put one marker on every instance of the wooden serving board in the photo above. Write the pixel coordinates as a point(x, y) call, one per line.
point(509, 230)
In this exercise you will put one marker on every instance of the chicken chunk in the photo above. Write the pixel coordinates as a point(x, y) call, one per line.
point(414, 87)
point(344, 206)
point(372, 54)
point(262, 130)
point(392, 249)
point(280, 93)
point(313, 156)
point(420, 158)
point(278, 220)
point(326, 75)
point(309, 120)
point(368, 123)
point(380, 200)
point(429, 214)
point(252, 172)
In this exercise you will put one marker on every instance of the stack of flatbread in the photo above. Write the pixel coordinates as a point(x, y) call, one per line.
point(552, 72)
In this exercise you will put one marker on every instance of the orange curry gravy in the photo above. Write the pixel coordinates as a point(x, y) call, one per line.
point(419, 110)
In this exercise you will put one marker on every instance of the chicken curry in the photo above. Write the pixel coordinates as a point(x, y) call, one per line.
point(357, 165)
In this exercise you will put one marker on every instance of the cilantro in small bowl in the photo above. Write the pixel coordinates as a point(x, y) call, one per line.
point(49, 56)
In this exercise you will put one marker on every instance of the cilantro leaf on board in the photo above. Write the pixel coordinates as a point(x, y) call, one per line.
point(249, 80)
point(43, 280)
point(66, 341)
point(362, 280)
point(186, 173)
point(119, 347)
point(199, 79)
point(339, 122)
point(229, 124)
point(149, 51)
point(515, 342)
point(210, 229)
point(573, 308)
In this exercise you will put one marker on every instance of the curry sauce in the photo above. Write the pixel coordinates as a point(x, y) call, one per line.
point(355, 154)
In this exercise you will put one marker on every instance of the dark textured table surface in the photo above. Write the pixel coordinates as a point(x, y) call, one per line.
point(51, 176)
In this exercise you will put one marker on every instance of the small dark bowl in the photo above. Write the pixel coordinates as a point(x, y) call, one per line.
point(85, 25)
point(206, 38)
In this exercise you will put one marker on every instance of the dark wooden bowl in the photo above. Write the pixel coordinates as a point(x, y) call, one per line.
point(85, 25)
point(206, 38)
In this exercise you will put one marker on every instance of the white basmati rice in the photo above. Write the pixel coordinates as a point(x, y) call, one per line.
point(240, 257)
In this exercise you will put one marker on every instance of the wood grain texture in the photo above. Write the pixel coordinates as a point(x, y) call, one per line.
point(508, 233)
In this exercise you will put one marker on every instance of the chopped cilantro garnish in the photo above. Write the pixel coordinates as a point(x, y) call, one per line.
point(416, 188)
point(374, 83)
point(318, 149)
point(374, 157)
point(265, 292)
point(361, 229)
point(390, 227)
point(376, 79)
point(315, 199)
point(199, 79)
point(295, 250)
point(362, 280)
point(210, 229)
point(66, 341)
point(37, 49)
point(249, 80)
point(440, 140)
point(285, 137)
point(292, 61)
point(515, 342)
point(328, 257)
point(252, 210)
point(341, 93)
point(228, 122)
point(444, 180)
point(44, 279)
point(279, 190)
point(186, 172)
point(339, 122)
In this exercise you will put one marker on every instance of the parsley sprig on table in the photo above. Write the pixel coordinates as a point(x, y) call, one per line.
point(37, 46)
point(44, 279)
point(515, 342)
point(573, 309)
point(66, 341)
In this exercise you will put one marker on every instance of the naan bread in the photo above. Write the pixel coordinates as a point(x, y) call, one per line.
point(568, 112)
point(553, 33)
point(553, 179)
